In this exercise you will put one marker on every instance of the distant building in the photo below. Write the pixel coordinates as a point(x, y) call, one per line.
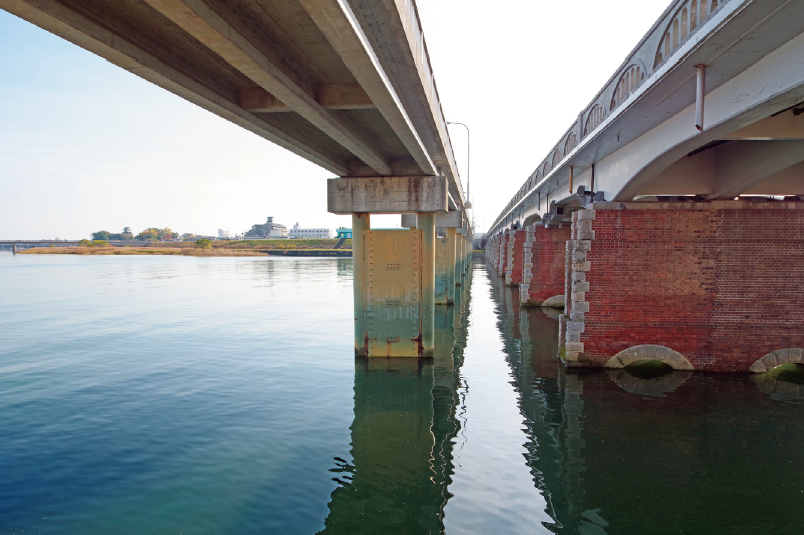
point(267, 231)
point(344, 233)
point(297, 232)
point(223, 234)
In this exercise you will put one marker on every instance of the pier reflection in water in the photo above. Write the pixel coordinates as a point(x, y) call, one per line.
point(115, 415)
point(616, 452)
point(402, 434)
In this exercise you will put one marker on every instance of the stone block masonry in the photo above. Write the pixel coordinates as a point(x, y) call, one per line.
point(514, 258)
point(493, 252)
point(543, 259)
point(713, 286)
point(497, 253)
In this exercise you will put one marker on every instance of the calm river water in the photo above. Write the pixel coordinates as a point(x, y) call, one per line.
point(221, 395)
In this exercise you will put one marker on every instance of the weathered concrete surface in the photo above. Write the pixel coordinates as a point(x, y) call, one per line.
point(348, 87)
point(387, 195)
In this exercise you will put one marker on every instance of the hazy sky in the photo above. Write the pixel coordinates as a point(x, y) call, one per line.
point(85, 145)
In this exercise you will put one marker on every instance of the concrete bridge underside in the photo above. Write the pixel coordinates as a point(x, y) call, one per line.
point(344, 84)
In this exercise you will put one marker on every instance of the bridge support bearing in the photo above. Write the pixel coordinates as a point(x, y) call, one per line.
point(717, 282)
point(543, 266)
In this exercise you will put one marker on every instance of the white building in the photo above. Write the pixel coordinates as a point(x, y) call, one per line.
point(300, 233)
point(224, 234)
point(268, 230)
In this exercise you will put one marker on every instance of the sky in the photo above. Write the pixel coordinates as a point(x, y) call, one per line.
point(87, 146)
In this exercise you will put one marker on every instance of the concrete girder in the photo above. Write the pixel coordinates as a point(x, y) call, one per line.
point(330, 96)
point(406, 61)
point(181, 52)
point(338, 23)
point(789, 181)
point(743, 100)
point(219, 35)
point(744, 164)
point(786, 125)
point(102, 39)
point(728, 169)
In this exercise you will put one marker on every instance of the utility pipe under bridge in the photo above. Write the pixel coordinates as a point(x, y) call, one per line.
point(344, 84)
point(667, 219)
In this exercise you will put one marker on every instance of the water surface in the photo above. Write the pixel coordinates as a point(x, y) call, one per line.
point(221, 395)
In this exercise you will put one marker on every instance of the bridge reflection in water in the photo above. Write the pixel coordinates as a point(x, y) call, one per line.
point(688, 452)
point(610, 451)
point(402, 435)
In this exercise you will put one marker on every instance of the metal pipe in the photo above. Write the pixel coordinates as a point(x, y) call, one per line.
point(699, 97)
point(570, 179)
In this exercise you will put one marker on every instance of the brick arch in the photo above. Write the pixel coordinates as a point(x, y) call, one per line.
point(776, 358)
point(649, 352)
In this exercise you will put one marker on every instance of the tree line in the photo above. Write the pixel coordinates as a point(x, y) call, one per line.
point(149, 234)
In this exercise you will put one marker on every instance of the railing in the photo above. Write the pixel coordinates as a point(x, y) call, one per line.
point(681, 20)
point(420, 50)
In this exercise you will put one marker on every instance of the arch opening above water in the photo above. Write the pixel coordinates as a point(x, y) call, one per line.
point(774, 359)
point(649, 352)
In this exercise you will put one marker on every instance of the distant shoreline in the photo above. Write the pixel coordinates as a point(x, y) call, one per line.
point(185, 251)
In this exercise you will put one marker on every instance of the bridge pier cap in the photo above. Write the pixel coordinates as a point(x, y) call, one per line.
point(387, 195)
point(448, 220)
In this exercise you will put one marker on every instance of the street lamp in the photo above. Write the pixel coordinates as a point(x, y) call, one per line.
point(468, 203)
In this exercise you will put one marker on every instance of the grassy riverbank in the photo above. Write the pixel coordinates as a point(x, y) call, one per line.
point(312, 247)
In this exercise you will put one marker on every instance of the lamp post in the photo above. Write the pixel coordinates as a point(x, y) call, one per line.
point(468, 203)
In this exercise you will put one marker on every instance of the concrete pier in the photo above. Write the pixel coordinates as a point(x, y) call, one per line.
point(426, 225)
point(399, 275)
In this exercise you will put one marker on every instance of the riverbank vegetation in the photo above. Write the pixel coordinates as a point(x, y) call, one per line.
point(207, 248)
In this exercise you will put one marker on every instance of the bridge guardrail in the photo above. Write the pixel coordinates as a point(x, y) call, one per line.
point(678, 23)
